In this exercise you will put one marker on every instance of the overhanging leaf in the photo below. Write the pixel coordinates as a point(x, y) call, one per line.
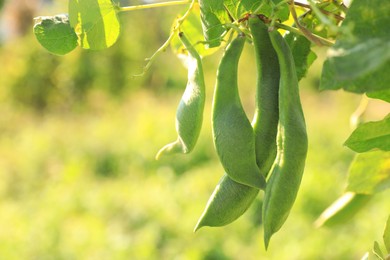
point(343, 209)
point(239, 8)
point(95, 22)
point(377, 250)
point(55, 34)
point(364, 67)
point(370, 173)
point(360, 60)
point(213, 15)
point(383, 95)
point(371, 135)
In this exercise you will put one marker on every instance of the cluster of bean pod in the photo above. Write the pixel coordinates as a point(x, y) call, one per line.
point(268, 154)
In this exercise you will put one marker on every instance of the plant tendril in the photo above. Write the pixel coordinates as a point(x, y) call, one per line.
point(165, 45)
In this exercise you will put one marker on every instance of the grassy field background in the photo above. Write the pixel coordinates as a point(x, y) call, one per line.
point(78, 136)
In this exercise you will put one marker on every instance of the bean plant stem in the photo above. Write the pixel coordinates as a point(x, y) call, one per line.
point(307, 6)
point(308, 34)
point(155, 5)
point(343, 7)
point(323, 18)
point(323, 41)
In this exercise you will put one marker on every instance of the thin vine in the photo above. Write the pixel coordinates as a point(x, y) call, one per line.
point(165, 45)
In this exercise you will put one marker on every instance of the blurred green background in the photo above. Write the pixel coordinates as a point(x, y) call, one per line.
point(78, 136)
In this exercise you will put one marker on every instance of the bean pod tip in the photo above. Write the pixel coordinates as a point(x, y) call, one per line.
point(172, 148)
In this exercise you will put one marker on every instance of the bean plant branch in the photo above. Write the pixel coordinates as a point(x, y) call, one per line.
point(323, 18)
point(343, 7)
point(325, 12)
point(301, 30)
point(308, 34)
point(324, 42)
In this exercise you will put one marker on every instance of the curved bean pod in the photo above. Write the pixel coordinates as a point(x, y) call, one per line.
point(287, 171)
point(232, 132)
point(227, 203)
point(231, 199)
point(265, 122)
point(189, 115)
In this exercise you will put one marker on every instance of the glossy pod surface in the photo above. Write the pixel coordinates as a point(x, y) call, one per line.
point(189, 115)
point(265, 121)
point(227, 203)
point(230, 199)
point(287, 171)
point(232, 132)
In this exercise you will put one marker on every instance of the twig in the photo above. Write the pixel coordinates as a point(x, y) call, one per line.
point(336, 16)
point(324, 42)
point(304, 31)
point(343, 7)
point(322, 17)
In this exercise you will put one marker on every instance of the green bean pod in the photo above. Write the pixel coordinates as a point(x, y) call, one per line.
point(233, 134)
point(189, 115)
point(227, 203)
point(287, 171)
point(265, 122)
point(231, 199)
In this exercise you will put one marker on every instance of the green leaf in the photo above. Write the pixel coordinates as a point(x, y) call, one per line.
point(238, 8)
point(370, 173)
point(383, 94)
point(282, 12)
point(55, 34)
point(371, 135)
point(355, 69)
point(360, 60)
point(213, 15)
point(377, 251)
point(95, 22)
point(343, 209)
point(303, 56)
point(366, 19)
point(372, 82)
point(386, 235)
